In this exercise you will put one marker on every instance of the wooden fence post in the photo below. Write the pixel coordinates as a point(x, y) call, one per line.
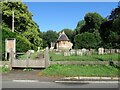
point(46, 57)
point(10, 59)
point(27, 62)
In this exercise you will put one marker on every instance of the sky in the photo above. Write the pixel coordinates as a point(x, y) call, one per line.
point(60, 15)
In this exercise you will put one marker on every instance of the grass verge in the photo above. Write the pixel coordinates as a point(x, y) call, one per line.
point(81, 70)
point(4, 69)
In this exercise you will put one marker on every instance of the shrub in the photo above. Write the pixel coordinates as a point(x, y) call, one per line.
point(22, 44)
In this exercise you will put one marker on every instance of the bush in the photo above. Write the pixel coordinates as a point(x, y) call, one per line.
point(87, 40)
point(5, 69)
point(22, 44)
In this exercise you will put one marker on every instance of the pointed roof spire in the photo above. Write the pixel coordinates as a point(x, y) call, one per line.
point(63, 37)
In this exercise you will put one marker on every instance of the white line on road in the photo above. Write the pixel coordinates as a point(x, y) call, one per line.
point(25, 81)
point(86, 81)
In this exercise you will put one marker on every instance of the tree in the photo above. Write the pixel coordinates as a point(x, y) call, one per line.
point(92, 22)
point(115, 13)
point(87, 40)
point(24, 25)
point(78, 27)
point(49, 36)
point(22, 43)
point(110, 30)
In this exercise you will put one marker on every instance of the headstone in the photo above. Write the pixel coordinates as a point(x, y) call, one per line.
point(87, 52)
point(107, 51)
point(84, 51)
point(79, 53)
point(112, 51)
point(117, 50)
point(72, 52)
point(66, 53)
point(92, 51)
point(101, 51)
point(52, 46)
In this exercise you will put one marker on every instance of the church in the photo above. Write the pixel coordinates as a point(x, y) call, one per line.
point(63, 42)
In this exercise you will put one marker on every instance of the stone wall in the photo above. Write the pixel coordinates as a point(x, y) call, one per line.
point(83, 62)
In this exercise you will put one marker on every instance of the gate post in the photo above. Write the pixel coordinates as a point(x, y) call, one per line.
point(46, 57)
point(10, 59)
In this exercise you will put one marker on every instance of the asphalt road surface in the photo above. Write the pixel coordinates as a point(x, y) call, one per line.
point(42, 84)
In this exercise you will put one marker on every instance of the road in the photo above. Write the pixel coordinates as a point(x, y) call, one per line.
point(47, 84)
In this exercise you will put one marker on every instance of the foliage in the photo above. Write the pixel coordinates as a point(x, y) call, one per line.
point(78, 27)
point(87, 40)
point(24, 25)
point(4, 69)
point(115, 13)
point(110, 30)
point(82, 70)
point(22, 44)
point(49, 36)
point(92, 22)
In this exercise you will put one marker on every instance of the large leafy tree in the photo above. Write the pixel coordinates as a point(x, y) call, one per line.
point(24, 25)
point(87, 40)
point(115, 13)
point(110, 30)
point(92, 22)
point(78, 27)
point(48, 37)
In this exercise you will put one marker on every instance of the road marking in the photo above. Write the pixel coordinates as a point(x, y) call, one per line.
point(86, 81)
point(25, 81)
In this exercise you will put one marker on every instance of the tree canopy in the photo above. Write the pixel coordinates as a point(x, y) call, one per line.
point(23, 23)
point(87, 40)
point(48, 37)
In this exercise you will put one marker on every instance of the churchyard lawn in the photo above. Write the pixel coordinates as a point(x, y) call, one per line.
point(94, 57)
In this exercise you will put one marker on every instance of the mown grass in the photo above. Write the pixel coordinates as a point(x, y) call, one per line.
point(94, 57)
point(80, 70)
point(32, 56)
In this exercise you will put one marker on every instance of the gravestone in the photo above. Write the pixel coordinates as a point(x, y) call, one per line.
point(117, 50)
point(112, 51)
point(72, 52)
point(79, 53)
point(100, 50)
point(66, 53)
point(107, 51)
point(92, 51)
point(83, 51)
